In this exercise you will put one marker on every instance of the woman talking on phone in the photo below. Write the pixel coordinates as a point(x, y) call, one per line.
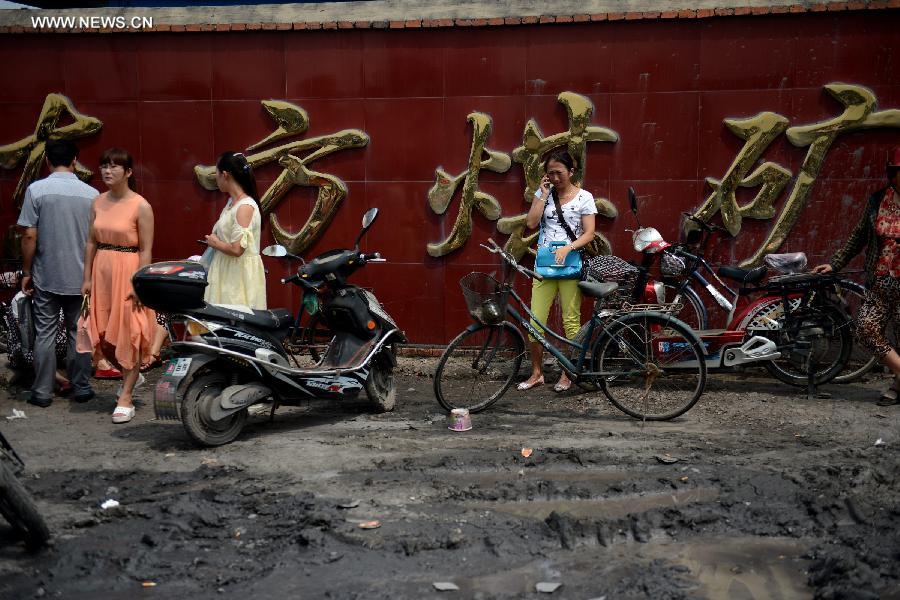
point(577, 207)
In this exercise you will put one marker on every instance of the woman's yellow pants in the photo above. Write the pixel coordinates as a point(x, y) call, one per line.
point(542, 295)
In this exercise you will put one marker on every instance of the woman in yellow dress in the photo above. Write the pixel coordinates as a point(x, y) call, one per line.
point(235, 272)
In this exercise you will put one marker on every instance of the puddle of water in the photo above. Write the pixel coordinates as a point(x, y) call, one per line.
point(736, 568)
point(492, 477)
point(601, 508)
point(741, 568)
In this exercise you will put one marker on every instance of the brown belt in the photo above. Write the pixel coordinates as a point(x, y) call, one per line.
point(101, 246)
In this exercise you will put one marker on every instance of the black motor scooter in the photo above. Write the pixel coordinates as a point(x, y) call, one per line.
point(16, 504)
point(228, 358)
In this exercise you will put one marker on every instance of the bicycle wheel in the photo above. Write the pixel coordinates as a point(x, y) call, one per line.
point(651, 366)
point(693, 312)
point(850, 296)
point(478, 367)
point(18, 508)
point(589, 384)
point(821, 337)
point(4, 337)
point(311, 343)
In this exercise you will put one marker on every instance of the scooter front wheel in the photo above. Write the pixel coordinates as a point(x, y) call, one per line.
point(195, 412)
point(381, 386)
point(18, 508)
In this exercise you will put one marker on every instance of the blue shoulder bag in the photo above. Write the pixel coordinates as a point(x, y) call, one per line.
point(545, 263)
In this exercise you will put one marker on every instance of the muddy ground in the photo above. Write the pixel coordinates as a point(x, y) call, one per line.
point(772, 496)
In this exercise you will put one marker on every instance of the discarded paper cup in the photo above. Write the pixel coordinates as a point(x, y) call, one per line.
point(460, 419)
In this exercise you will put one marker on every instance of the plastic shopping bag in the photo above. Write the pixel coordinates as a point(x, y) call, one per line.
point(22, 310)
point(83, 342)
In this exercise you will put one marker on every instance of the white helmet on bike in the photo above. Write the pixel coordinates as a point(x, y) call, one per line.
point(649, 240)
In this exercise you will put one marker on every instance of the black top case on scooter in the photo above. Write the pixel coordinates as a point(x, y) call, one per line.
point(171, 286)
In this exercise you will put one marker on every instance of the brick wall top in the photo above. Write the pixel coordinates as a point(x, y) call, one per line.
point(402, 14)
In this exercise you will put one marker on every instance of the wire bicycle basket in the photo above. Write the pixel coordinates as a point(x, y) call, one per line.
point(485, 298)
point(672, 266)
point(613, 269)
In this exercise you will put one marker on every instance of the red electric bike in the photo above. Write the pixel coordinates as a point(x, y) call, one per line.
point(792, 323)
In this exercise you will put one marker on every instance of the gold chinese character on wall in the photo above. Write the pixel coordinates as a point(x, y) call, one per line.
point(292, 120)
point(441, 193)
point(531, 155)
point(30, 150)
point(758, 132)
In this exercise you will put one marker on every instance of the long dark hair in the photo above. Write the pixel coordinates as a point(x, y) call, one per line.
point(121, 157)
point(561, 157)
point(236, 164)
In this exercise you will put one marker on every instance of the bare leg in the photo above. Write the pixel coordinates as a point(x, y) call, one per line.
point(892, 361)
point(129, 378)
point(62, 382)
point(160, 335)
point(890, 397)
point(536, 352)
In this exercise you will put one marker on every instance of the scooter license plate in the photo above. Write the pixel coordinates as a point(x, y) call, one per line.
point(178, 367)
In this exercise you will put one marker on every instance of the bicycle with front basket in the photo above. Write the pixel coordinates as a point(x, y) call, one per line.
point(648, 363)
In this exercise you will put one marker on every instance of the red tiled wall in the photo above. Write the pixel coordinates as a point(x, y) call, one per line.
point(178, 99)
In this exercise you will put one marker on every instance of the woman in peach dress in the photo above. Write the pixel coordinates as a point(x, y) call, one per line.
point(119, 243)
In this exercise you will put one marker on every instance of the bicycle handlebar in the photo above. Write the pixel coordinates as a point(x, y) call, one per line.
point(494, 248)
point(703, 224)
point(680, 251)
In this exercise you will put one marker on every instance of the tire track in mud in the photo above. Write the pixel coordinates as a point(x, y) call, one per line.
point(750, 510)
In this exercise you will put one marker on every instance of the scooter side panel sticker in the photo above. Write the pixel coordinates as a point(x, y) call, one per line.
point(334, 385)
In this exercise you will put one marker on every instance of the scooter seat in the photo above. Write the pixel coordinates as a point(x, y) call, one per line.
point(743, 275)
point(277, 318)
point(593, 289)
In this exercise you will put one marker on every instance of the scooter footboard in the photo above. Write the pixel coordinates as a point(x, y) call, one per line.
point(170, 389)
point(350, 352)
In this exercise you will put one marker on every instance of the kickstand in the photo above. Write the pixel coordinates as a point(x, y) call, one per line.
point(811, 392)
point(272, 413)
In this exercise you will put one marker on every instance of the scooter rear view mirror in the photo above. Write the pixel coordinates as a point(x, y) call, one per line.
point(276, 250)
point(632, 200)
point(369, 217)
point(367, 221)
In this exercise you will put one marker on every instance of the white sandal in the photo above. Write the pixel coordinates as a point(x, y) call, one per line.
point(527, 386)
point(123, 414)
